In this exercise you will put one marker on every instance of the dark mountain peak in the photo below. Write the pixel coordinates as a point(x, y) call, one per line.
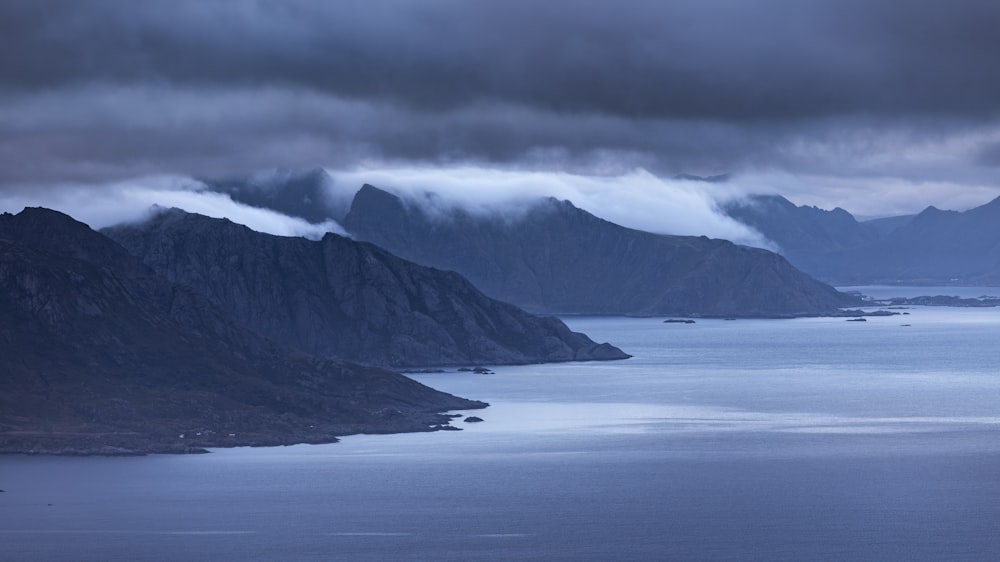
point(174, 219)
point(40, 221)
point(766, 201)
point(58, 233)
point(375, 200)
point(338, 297)
point(932, 215)
point(558, 258)
point(772, 203)
point(331, 236)
point(310, 194)
point(803, 233)
point(174, 216)
point(98, 360)
point(372, 203)
point(31, 212)
point(984, 211)
point(370, 189)
point(934, 246)
point(562, 204)
point(565, 209)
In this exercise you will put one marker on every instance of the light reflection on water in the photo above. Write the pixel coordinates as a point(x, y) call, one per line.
point(808, 439)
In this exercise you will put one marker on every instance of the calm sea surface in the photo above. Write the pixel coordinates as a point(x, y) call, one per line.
point(807, 439)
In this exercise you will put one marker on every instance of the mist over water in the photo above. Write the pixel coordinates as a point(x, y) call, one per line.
point(806, 439)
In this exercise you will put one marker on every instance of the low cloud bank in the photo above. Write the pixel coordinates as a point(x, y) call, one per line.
point(637, 199)
point(134, 200)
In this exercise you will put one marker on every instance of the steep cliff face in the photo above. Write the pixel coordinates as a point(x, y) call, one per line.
point(101, 355)
point(557, 258)
point(338, 297)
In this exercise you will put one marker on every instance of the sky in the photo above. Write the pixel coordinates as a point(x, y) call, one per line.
point(881, 107)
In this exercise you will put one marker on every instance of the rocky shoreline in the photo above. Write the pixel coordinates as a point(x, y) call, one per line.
point(100, 356)
point(73, 442)
point(942, 300)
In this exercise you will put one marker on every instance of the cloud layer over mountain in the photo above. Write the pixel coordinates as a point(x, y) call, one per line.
point(896, 104)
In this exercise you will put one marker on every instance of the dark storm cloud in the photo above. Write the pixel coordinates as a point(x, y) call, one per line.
point(101, 132)
point(728, 59)
point(111, 89)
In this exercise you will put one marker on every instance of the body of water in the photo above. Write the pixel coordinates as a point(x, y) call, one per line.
point(806, 439)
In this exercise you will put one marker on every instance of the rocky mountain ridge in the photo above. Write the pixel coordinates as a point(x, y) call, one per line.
point(100, 355)
point(556, 258)
point(338, 297)
point(932, 247)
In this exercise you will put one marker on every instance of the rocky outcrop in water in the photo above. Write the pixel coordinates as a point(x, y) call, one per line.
point(100, 355)
point(338, 297)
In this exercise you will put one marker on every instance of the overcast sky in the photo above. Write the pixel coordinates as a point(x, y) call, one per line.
point(878, 106)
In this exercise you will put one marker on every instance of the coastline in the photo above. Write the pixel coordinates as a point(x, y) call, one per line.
point(67, 442)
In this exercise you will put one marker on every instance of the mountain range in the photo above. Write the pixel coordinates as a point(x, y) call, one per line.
point(348, 299)
point(556, 258)
point(99, 354)
point(184, 332)
point(932, 247)
point(553, 258)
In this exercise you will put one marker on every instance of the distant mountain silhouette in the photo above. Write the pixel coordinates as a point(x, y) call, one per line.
point(805, 235)
point(338, 297)
point(932, 247)
point(101, 355)
point(309, 194)
point(556, 258)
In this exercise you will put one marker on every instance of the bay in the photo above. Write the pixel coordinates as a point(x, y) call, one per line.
point(805, 439)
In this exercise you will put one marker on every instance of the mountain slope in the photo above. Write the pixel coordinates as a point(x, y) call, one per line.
point(932, 247)
point(101, 355)
point(805, 235)
point(559, 259)
point(798, 228)
point(310, 194)
point(338, 297)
